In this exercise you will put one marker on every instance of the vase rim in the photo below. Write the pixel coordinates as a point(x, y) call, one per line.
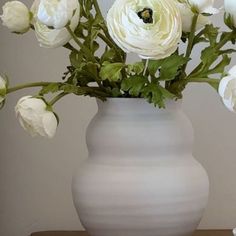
point(118, 105)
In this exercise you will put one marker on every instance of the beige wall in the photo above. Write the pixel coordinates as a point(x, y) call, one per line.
point(35, 174)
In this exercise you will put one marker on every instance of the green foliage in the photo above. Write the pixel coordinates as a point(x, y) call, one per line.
point(211, 34)
point(101, 71)
point(156, 94)
point(168, 67)
point(111, 71)
point(214, 60)
point(136, 68)
point(115, 78)
point(134, 85)
point(139, 86)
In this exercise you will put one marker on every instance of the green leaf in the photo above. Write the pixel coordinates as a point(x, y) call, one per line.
point(156, 94)
point(153, 66)
point(209, 55)
point(171, 65)
point(168, 67)
point(79, 32)
point(167, 94)
point(115, 92)
point(88, 6)
point(98, 20)
point(220, 67)
point(108, 55)
point(91, 69)
point(111, 71)
point(76, 59)
point(134, 85)
point(136, 68)
point(211, 33)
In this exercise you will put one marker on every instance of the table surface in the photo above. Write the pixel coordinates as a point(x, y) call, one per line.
point(82, 233)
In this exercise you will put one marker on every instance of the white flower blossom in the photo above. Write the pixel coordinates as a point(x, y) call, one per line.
point(151, 28)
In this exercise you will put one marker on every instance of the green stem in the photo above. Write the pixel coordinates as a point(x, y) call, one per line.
point(97, 91)
point(200, 33)
point(83, 48)
point(70, 47)
point(29, 85)
point(97, 8)
point(57, 98)
point(99, 82)
point(192, 35)
point(110, 43)
point(106, 40)
point(224, 41)
point(190, 41)
point(218, 47)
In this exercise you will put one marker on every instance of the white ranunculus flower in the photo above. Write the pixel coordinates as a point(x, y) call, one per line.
point(16, 17)
point(150, 28)
point(227, 90)
point(35, 118)
point(187, 17)
point(53, 38)
point(230, 8)
point(3, 89)
point(56, 13)
point(204, 6)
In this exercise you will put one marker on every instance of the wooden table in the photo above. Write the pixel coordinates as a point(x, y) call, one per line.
point(82, 233)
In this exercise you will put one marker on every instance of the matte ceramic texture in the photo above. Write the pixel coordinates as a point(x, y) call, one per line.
point(140, 178)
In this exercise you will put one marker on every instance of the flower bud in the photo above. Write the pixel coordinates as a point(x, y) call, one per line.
point(16, 17)
point(35, 117)
point(227, 90)
point(230, 10)
point(53, 38)
point(55, 13)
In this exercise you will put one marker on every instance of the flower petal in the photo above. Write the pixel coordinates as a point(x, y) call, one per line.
point(232, 71)
point(49, 121)
point(223, 85)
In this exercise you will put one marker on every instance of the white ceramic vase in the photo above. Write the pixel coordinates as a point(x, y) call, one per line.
point(140, 178)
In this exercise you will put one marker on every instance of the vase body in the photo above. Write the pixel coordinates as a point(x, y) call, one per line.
point(140, 178)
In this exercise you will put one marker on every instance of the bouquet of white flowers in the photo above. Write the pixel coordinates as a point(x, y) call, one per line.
point(153, 29)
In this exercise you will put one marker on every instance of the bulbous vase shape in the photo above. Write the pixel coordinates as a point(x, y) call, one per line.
point(140, 178)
